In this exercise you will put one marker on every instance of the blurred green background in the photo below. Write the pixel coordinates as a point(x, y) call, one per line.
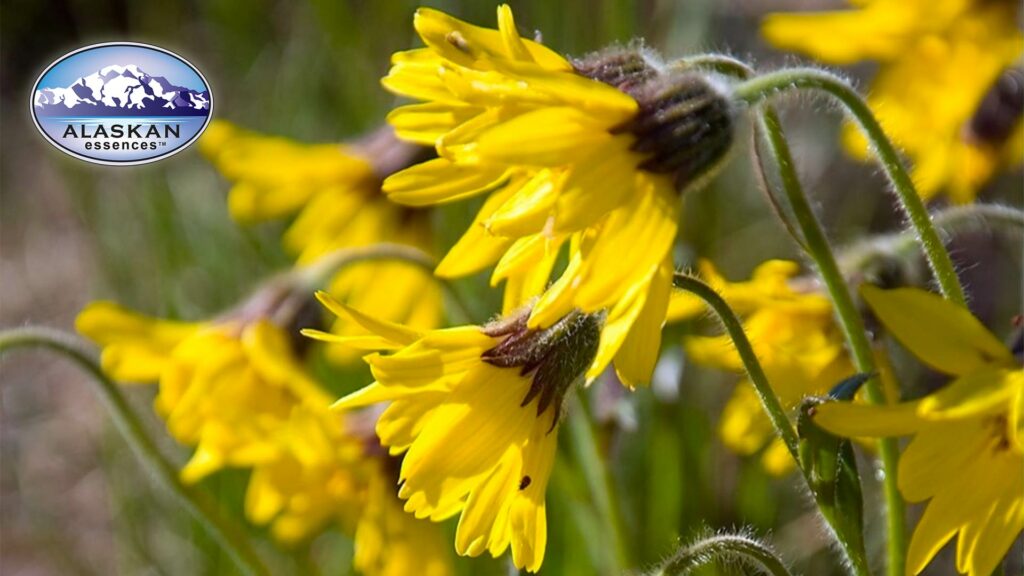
point(158, 238)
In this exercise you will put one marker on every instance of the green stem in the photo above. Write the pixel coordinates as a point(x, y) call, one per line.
point(596, 474)
point(848, 316)
point(762, 88)
point(205, 511)
point(723, 547)
point(769, 400)
point(316, 275)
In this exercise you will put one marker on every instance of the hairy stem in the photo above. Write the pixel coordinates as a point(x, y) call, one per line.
point(847, 314)
point(204, 510)
point(761, 88)
point(769, 400)
point(727, 547)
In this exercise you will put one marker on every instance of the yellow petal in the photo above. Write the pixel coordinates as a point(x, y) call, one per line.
point(635, 360)
point(549, 136)
point(528, 209)
point(390, 330)
point(469, 45)
point(478, 248)
point(840, 38)
point(852, 420)
point(426, 123)
point(486, 502)
point(596, 185)
point(440, 181)
point(942, 334)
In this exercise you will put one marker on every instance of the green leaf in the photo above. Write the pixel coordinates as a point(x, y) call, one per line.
point(830, 465)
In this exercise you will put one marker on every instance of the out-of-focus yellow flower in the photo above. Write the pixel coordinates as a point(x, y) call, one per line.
point(391, 542)
point(944, 66)
point(224, 387)
point(476, 412)
point(234, 390)
point(334, 192)
point(586, 154)
point(795, 337)
point(967, 455)
point(327, 471)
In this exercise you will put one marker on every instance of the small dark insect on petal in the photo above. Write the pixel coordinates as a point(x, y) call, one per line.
point(524, 483)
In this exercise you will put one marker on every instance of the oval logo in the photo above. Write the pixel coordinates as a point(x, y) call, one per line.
point(121, 103)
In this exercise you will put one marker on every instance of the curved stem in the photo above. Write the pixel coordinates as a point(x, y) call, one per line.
point(724, 547)
point(849, 318)
point(205, 511)
point(762, 88)
point(720, 63)
point(318, 274)
point(769, 400)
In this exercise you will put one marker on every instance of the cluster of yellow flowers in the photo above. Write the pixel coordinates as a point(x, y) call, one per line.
point(581, 164)
point(949, 85)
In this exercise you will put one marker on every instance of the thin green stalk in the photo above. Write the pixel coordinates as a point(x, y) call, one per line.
point(769, 400)
point(205, 511)
point(598, 480)
point(761, 88)
point(317, 274)
point(849, 320)
point(727, 547)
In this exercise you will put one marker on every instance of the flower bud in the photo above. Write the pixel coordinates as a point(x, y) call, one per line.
point(685, 123)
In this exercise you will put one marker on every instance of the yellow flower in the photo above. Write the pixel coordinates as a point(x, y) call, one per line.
point(234, 390)
point(943, 91)
point(224, 387)
point(391, 542)
point(586, 154)
point(796, 339)
point(476, 412)
point(335, 192)
point(967, 454)
point(328, 470)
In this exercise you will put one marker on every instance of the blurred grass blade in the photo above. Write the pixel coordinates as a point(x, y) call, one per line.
point(205, 511)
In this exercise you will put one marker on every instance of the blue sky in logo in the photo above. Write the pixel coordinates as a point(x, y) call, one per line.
point(153, 62)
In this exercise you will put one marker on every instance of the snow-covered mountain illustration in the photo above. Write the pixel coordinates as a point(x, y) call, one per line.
point(121, 91)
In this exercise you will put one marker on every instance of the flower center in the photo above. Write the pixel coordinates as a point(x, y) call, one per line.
point(999, 111)
point(685, 123)
point(556, 357)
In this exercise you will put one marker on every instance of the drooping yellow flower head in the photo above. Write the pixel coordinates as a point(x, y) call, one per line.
point(329, 471)
point(966, 458)
point(795, 337)
point(234, 389)
point(947, 90)
point(224, 387)
point(586, 154)
point(475, 410)
point(334, 193)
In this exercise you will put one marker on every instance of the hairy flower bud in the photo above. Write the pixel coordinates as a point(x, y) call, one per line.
point(685, 123)
point(556, 357)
